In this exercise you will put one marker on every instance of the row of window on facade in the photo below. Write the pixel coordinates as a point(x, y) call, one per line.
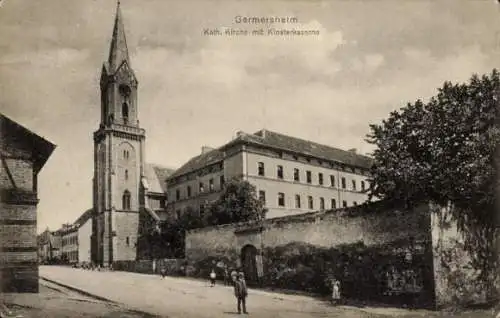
point(201, 188)
point(281, 203)
point(70, 240)
point(310, 201)
point(201, 211)
point(296, 177)
point(322, 163)
point(71, 256)
point(196, 174)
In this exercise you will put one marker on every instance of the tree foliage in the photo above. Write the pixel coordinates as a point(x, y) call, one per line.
point(237, 203)
point(445, 151)
point(173, 231)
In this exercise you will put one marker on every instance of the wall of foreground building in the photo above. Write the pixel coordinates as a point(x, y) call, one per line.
point(379, 253)
point(18, 244)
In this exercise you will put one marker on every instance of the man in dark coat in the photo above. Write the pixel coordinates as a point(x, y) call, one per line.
point(241, 292)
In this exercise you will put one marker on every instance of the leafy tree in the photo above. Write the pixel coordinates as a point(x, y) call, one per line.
point(173, 232)
point(237, 203)
point(190, 219)
point(444, 151)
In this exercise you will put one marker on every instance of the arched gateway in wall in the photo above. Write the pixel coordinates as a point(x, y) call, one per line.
point(249, 263)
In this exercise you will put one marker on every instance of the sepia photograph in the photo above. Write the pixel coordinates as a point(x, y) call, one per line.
point(226, 158)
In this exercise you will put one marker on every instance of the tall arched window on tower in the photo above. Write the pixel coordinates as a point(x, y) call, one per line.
point(125, 113)
point(125, 92)
point(126, 200)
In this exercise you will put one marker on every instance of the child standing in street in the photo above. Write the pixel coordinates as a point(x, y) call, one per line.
point(335, 291)
point(212, 278)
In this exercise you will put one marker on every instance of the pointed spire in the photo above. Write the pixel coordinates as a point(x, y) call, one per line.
point(118, 51)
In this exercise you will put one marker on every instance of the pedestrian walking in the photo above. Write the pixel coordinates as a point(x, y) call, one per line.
point(335, 291)
point(226, 276)
point(212, 278)
point(163, 272)
point(241, 293)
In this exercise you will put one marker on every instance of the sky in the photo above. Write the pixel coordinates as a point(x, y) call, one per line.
point(370, 57)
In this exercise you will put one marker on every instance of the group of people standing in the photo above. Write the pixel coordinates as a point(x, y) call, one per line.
point(237, 279)
point(94, 267)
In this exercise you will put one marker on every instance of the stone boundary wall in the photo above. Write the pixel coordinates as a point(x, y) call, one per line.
point(362, 246)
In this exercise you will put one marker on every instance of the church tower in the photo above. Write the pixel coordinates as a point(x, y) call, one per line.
point(118, 157)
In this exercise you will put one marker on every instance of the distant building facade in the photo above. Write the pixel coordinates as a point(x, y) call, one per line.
point(22, 156)
point(84, 236)
point(292, 176)
point(56, 245)
point(69, 251)
point(49, 247)
point(76, 239)
point(44, 250)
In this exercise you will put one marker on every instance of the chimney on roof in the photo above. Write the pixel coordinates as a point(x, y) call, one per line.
point(353, 150)
point(206, 149)
point(261, 133)
point(239, 133)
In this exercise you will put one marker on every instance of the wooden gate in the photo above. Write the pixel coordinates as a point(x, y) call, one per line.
point(249, 264)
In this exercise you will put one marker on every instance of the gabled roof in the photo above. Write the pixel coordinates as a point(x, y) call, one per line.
point(156, 176)
point(55, 241)
point(198, 162)
point(306, 147)
point(40, 148)
point(274, 140)
point(44, 237)
point(83, 218)
point(152, 213)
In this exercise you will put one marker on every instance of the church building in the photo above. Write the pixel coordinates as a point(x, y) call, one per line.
point(128, 194)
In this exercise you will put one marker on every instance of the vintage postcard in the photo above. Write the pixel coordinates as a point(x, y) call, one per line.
point(217, 158)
